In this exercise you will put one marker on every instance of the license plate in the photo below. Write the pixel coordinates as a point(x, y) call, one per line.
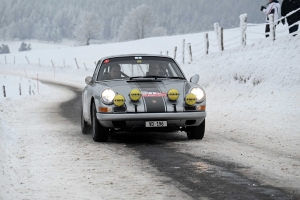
point(156, 124)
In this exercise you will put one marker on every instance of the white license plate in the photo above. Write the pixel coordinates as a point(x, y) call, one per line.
point(156, 124)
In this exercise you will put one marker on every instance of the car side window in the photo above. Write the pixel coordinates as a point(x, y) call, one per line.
point(103, 73)
point(96, 71)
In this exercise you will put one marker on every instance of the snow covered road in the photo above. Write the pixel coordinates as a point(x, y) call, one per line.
point(45, 156)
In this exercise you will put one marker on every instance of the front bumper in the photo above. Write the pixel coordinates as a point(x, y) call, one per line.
point(130, 120)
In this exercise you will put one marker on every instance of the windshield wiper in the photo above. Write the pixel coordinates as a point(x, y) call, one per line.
point(147, 77)
point(174, 77)
point(136, 77)
point(154, 77)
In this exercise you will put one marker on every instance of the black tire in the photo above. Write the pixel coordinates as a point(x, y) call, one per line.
point(100, 134)
point(196, 132)
point(85, 128)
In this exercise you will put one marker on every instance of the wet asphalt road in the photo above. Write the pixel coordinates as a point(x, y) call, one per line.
point(187, 172)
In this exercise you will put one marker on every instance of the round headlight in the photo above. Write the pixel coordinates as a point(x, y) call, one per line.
point(198, 93)
point(173, 94)
point(108, 96)
point(119, 100)
point(135, 94)
point(190, 99)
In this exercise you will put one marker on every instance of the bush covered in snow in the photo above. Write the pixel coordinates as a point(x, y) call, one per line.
point(4, 49)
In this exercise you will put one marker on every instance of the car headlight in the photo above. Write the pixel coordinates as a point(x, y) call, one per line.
point(198, 93)
point(108, 96)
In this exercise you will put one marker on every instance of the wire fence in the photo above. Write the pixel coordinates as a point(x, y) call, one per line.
point(220, 43)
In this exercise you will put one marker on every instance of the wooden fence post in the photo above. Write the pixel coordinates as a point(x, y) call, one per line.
point(175, 51)
point(85, 67)
point(272, 26)
point(25, 72)
point(30, 90)
point(53, 67)
point(37, 83)
point(216, 28)
point(167, 53)
point(221, 41)
point(243, 26)
point(76, 63)
point(183, 48)
point(20, 89)
point(27, 60)
point(190, 51)
point(4, 93)
point(206, 43)
point(160, 53)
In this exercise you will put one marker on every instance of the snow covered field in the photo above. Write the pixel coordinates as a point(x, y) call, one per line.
point(253, 104)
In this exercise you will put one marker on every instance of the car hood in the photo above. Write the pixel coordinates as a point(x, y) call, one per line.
point(154, 94)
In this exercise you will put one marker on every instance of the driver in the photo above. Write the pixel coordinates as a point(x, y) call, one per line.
point(115, 71)
point(154, 69)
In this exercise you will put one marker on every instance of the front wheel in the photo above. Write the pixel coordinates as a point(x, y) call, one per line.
point(100, 134)
point(196, 132)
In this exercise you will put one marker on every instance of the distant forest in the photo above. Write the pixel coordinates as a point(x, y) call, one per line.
point(54, 20)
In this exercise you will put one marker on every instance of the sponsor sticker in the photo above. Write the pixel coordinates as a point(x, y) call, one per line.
point(153, 94)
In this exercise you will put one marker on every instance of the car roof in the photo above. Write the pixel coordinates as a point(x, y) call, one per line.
point(130, 55)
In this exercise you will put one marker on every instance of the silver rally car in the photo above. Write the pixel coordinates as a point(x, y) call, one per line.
point(137, 93)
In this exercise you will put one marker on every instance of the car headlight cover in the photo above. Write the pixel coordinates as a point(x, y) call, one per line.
point(198, 93)
point(135, 94)
point(108, 96)
point(190, 99)
point(119, 100)
point(173, 94)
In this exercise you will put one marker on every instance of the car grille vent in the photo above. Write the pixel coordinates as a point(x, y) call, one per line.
point(190, 108)
point(119, 109)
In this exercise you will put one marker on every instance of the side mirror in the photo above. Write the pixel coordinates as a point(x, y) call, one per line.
point(88, 80)
point(195, 79)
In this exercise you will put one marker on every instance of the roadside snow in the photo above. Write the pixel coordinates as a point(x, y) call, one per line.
point(16, 87)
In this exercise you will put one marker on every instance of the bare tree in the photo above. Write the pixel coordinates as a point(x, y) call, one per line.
point(137, 24)
point(159, 31)
point(88, 27)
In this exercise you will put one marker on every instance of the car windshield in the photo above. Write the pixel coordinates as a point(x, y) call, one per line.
point(138, 67)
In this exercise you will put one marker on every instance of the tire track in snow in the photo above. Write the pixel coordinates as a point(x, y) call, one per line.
point(197, 177)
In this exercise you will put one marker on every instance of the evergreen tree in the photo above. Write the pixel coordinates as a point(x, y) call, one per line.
point(53, 20)
point(25, 47)
point(4, 49)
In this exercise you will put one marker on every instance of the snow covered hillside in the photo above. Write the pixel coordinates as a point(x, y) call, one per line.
point(253, 92)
